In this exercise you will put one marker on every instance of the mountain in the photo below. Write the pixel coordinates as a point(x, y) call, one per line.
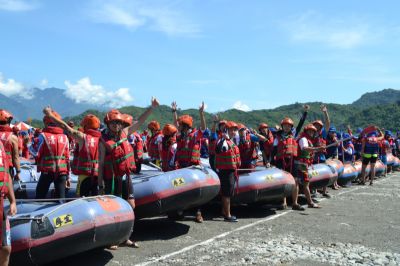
point(386, 96)
point(381, 108)
point(23, 108)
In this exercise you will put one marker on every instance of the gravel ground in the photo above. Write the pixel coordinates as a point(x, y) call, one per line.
point(358, 225)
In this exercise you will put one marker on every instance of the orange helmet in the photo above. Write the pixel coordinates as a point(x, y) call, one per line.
point(90, 122)
point(5, 116)
point(287, 121)
point(113, 115)
point(128, 119)
point(231, 124)
point(241, 126)
point(153, 125)
point(81, 130)
point(262, 125)
point(310, 127)
point(169, 130)
point(186, 120)
point(47, 120)
point(318, 122)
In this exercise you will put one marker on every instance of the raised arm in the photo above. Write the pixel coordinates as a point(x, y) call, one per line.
point(203, 125)
point(74, 133)
point(327, 121)
point(142, 118)
point(174, 112)
point(302, 119)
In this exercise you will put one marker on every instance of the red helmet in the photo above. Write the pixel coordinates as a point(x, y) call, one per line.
point(310, 127)
point(5, 116)
point(318, 122)
point(186, 120)
point(231, 124)
point(241, 126)
point(153, 125)
point(169, 130)
point(222, 122)
point(287, 121)
point(90, 122)
point(47, 120)
point(262, 125)
point(113, 115)
point(128, 119)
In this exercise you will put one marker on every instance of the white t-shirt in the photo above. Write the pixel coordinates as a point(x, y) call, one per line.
point(303, 143)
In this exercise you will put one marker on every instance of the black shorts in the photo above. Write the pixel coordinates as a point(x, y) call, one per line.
point(122, 188)
point(227, 179)
point(366, 161)
point(286, 164)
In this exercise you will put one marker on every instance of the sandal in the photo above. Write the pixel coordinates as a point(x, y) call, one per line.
point(130, 243)
point(231, 219)
point(313, 205)
point(115, 247)
point(326, 195)
point(361, 183)
point(282, 207)
point(298, 207)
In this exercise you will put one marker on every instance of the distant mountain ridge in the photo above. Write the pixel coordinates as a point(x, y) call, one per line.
point(23, 108)
point(381, 108)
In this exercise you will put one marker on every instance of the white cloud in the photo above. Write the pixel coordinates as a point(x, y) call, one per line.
point(112, 14)
point(44, 83)
point(86, 92)
point(10, 87)
point(17, 5)
point(343, 33)
point(241, 106)
point(135, 14)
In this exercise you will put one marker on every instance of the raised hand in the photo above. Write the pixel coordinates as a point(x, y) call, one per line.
point(215, 118)
point(154, 102)
point(47, 110)
point(202, 106)
point(324, 108)
point(306, 107)
point(174, 106)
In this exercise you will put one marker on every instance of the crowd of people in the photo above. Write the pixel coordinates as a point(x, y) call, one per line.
point(104, 155)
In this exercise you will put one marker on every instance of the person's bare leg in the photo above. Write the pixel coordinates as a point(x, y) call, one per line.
point(372, 173)
point(5, 255)
point(363, 173)
point(226, 206)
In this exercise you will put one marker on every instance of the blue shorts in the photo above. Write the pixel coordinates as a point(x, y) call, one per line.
point(6, 231)
point(384, 159)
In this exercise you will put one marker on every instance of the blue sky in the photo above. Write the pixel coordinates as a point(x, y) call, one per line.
point(243, 54)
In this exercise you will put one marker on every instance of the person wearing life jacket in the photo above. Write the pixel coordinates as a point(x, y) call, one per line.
point(266, 145)
point(152, 142)
point(117, 158)
point(248, 144)
point(385, 149)
point(52, 155)
point(26, 144)
point(227, 162)
point(167, 148)
point(10, 143)
point(369, 153)
point(144, 136)
point(86, 152)
point(285, 151)
point(6, 191)
point(332, 152)
point(188, 142)
point(137, 143)
point(17, 133)
point(305, 160)
point(205, 143)
point(218, 128)
point(347, 149)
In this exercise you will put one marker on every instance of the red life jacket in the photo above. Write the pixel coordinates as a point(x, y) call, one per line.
point(268, 144)
point(4, 182)
point(87, 161)
point(287, 147)
point(212, 144)
point(167, 154)
point(247, 150)
point(5, 137)
point(138, 147)
point(229, 159)
point(53, 155)
point(188, 149)
point(152, 146)
point(319, 142)
point(120, 157)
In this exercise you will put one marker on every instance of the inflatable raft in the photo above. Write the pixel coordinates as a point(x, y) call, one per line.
point(396, 164)
point(263, 185)
point(158, 192)
point(43, 232)
point(338, 165)
point(379, 168)
point(349, 174)
point(321, 175)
